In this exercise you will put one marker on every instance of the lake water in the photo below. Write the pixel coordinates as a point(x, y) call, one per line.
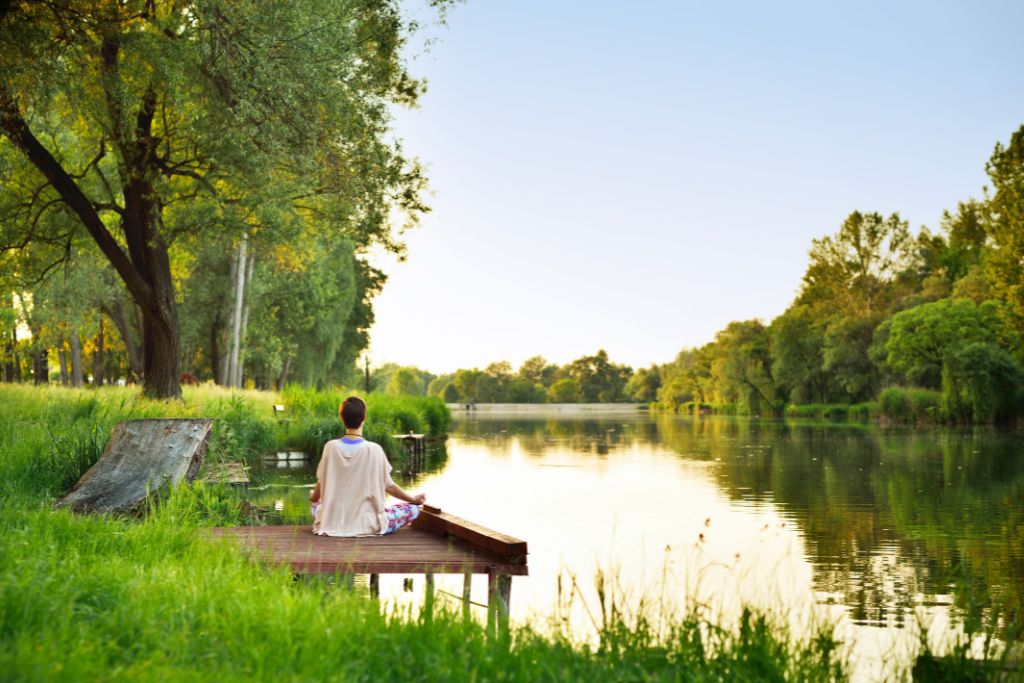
point(884, 531)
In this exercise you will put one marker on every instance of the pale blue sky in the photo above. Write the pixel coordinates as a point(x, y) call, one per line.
point(633, 176)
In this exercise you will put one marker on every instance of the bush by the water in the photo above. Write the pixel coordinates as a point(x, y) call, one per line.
point(981, 383)
point(901, 404)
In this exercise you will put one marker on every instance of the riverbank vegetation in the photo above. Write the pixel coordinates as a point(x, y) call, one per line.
point(99, 597)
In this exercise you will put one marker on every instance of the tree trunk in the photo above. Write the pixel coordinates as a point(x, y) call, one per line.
point(63, 358)
point(97, 358)
point(283, 377)
point(40, 366)
point(215, 348)
point(117, 314)
point(224, 368)
point(76, 358)
point(234, 378)
point(245, 315)
point(14, 350)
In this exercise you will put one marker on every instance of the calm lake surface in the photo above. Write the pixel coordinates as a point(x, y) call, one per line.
point(885, 531)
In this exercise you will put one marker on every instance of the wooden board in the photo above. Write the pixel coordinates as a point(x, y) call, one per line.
point(407, 551)
point(142, 459)
point(434, 520)
point(226, 473)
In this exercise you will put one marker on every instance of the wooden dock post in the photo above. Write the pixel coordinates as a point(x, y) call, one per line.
point(428, 598)
point(499, 595)
point(467, 587)
point(375, 586)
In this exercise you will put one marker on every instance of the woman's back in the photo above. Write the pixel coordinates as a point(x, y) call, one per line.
point(354, 475)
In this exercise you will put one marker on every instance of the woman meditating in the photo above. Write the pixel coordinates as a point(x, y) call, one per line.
point(353, 481)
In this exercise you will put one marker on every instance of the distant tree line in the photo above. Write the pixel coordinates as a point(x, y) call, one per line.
point(589, 379)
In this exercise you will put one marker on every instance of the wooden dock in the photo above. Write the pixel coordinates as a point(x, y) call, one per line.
point(437, 543)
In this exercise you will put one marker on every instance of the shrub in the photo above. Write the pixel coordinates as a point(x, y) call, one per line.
point(238, 434)
point(926, 405)
point(895, 404)
point(869, 410)
point(900, 404)
point(837, 411)
point(981, 383)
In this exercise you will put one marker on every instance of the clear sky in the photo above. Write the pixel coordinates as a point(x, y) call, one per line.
point(633, 176)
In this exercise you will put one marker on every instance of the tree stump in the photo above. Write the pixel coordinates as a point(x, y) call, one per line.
point(143, 458)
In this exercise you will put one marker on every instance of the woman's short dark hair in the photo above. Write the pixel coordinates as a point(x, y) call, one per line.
point(353, 411)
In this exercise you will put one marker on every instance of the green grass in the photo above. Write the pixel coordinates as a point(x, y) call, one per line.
point(836, 412)
point(911, 405)
point(111, 598)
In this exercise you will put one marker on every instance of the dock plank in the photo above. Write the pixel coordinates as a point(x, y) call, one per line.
point(435, 520)
point(407, 551)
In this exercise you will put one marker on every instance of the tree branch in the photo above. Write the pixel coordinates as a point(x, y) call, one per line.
point(14, 126)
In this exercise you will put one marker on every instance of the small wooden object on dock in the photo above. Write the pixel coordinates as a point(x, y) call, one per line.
point(437, 543)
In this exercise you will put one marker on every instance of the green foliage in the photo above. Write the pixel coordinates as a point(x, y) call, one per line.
point(868, 410)
point(238, 432)
point(1005, 227)
point(899, 404)
point(178, 130)
point(818, 411)
point(797, 356)
point(847, 357)
point(521, 390)
point(69, 456)
point(404, 382)
point(598, 380)
point(643, 386)
point(981, 383)
point(565, 390)
point(855, 273)
point(921, 338)
point(741, 363)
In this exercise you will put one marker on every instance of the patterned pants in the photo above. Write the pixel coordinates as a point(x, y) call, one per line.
point(399, 515)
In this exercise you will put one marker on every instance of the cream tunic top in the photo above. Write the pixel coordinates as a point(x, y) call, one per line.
point(353, 478)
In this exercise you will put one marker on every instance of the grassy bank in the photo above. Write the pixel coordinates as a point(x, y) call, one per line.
point(109, 598)
point(863, 412)
point(962, 403)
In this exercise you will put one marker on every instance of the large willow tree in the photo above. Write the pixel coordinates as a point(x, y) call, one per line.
point(151, 123)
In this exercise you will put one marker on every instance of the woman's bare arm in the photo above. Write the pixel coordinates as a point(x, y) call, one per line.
point(400, 493)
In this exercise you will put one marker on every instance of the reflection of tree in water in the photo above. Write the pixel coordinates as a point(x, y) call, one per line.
point(540, 437)
point(412, 469)
point(887, 515)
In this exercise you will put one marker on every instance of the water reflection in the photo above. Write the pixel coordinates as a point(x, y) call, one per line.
point(891, 518)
